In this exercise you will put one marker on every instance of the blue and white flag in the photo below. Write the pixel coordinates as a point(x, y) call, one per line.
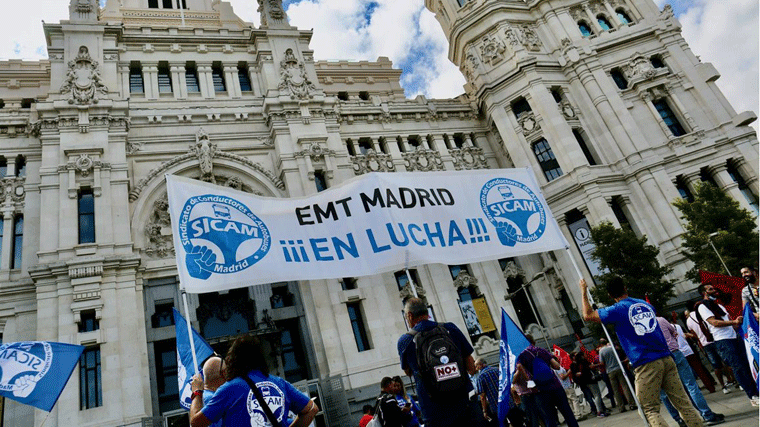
point(749, 331)
point(512, 343)
point(36, 372)
point(370, 224)
point(185, 369)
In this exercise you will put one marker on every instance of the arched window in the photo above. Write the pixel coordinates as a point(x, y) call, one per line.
point(603, 22)
point(623, 17)
point(586, 30)
point(619, 78)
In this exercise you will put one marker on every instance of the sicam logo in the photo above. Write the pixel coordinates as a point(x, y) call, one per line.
point(515, 211)
point(445, 372)
point(24, 365)
point(221, 235)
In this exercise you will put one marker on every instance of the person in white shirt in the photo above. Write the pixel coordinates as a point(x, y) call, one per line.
point(719, 368)
point(721, 327)
point(693, 359)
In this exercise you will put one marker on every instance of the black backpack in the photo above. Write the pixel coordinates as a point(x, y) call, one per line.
point(440, 363)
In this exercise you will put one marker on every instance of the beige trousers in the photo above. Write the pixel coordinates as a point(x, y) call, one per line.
point(663, 374)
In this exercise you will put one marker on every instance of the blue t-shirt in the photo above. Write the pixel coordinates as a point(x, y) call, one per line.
point(636, 326)
point(207, 395)
point(435, 411)
point(415, 421)
point(235, 403)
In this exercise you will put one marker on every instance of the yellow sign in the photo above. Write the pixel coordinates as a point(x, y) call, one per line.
point(484, 315)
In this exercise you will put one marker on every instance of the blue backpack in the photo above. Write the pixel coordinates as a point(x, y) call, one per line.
point(543, 374)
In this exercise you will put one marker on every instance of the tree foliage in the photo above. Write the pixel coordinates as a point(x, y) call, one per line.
point(713, 211)
point(620, 253)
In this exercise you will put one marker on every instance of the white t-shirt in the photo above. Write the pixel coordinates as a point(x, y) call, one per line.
point(692, 324)
point(682, 344)
point(718, 332)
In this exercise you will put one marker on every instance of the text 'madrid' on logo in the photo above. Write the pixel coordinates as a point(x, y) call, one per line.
point(642, 318)
point(220, 235)
point(515, 211)
point(273, 397)
point(24, 364)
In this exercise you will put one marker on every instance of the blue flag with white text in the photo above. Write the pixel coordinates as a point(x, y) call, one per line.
point(185, 368)
point(36, 372)
point(512, 343)
point(749, 330)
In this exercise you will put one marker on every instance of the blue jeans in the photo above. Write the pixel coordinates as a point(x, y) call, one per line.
point(551, 401)
point(532, 410)
point(690, 383)
point(669, 406)
point(734, 356)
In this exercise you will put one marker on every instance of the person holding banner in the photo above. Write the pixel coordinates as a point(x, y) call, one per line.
point(246, 371)
point(750, 291)
point(642, 340)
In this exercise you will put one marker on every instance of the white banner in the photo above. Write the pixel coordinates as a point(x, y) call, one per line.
point(371, 224)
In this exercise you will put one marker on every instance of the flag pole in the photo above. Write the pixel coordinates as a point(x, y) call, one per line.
point(189, 328)
point(609, 339)
point(409, 276)
point(181, 6)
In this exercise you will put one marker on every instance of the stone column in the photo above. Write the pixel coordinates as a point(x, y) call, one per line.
point(592, 18)
point(613, 16)
point(253, 75)
point(179, 84)
point(5, 262)
point(691, 124)
point(232, 81)
point(691, 179)
point(724, 181)
point(124, 73)
point(150, 80)
point(647, 98)
point(556, 130)
point(204, 79)
point(749, 175)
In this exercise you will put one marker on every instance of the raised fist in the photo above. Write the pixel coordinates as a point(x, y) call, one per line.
point(200, 262)
point(24, 386)
point(507, 233)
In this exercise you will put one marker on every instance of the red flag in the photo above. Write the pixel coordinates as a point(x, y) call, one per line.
point(646, 297)
point(590, 355)
point(563, 356)
point(730, 288)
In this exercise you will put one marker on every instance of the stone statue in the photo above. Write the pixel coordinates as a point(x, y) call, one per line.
point(293, 77)
point(83, 83)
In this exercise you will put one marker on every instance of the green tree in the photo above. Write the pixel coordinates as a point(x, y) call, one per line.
point(620, 253)
point(713, 211)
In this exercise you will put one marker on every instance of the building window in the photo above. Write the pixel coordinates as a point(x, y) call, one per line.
point(164, 78)
point(281, 297)
point(291, 350)
point(217, 76)
point(18, 241)
point(556, 94)
point(90, 385)
point(168, 4)
point(320, 181)
point(706, 176)
point(136, 78)
point(356, 317)
point(683, 190)
point(166, 374)
point(623, 17)
point(458, 140)
point(244, 78)
point(88, 322)
point(656, 61)
point(402, 279)
point(153, 4)
point(3, 167)
point(350, 147)
point(348, 283)
point(461, 2)
point(670, 119)
point(582, 143)
point(604, 23)
point(343, 96)
point(617, 209)
point(364, 95)
point(86, 206)
point(585, 29)
point(520, 106)
point(619, 78)
point(738, 179)
point(546, 159)
point(27, 102)
point(20, 166)
point(163, 315)
point(2, 226)
point(191, 78)
point(456, 269)
point(365, 144)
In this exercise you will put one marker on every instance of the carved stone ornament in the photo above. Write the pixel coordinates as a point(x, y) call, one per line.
point(83, 84)
point(464, 280)
point(423, 160)
point(513, 270)
point(293, 78)
point(470, 67)
point(406, 291)
point(158, 230)
point(639, 68)
point(83, 164)
point(468, 158)
point(133, 147)
point(12, 189)
point(529, 38)
point(316, 152)
point(83, 6)
point(667, 12)
point(567, 110)
point(528, 123)
point(372, 162)
point(492, 50)
point(204, 150)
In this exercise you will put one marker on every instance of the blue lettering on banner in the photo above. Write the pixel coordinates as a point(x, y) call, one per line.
point(220, 235)
point(515, 211)
point(24, 364)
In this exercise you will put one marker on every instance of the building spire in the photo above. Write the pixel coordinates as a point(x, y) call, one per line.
point(273, 14)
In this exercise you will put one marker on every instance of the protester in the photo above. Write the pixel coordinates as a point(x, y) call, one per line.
point(573, 398)
point(598, 366)
point(721, 327)
point(488, 385)
point(645, 346)
point(369, 413)
point(686, 375)
point(439, 409)
point(403, 399)
point(708, 346)
point(583, 377)
point(527, 400)
point(213, 378)
point(616, 375)
point(245, 368)
point(750, 291)
point(390, 414)
point(684, 336)
point(539, 364)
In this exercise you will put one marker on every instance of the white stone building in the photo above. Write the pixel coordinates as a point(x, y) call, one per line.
point(601, 98)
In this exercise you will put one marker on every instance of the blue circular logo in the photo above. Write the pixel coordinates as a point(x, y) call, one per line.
point(515, 211)
point(642, 318)
point(220, 235)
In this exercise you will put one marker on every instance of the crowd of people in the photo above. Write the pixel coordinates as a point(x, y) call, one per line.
point(656, 357)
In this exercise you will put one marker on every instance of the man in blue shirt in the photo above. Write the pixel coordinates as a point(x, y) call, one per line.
point(452, 409)
point(212, 380)
point(488, 386)
point(645, 346)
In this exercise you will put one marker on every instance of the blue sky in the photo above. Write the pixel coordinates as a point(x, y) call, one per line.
point(409, 35)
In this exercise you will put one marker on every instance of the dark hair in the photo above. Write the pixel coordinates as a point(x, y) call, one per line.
point(416, 307)
point(752, 269)
point(603, 341)
point(616, 287)
point(385, 382)
point(530, 339)
point(701, 288)
point(368, 409)
point(397, 379)
point(245, 355)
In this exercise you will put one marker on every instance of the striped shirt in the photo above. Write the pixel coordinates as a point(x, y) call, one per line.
point(488, 383)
